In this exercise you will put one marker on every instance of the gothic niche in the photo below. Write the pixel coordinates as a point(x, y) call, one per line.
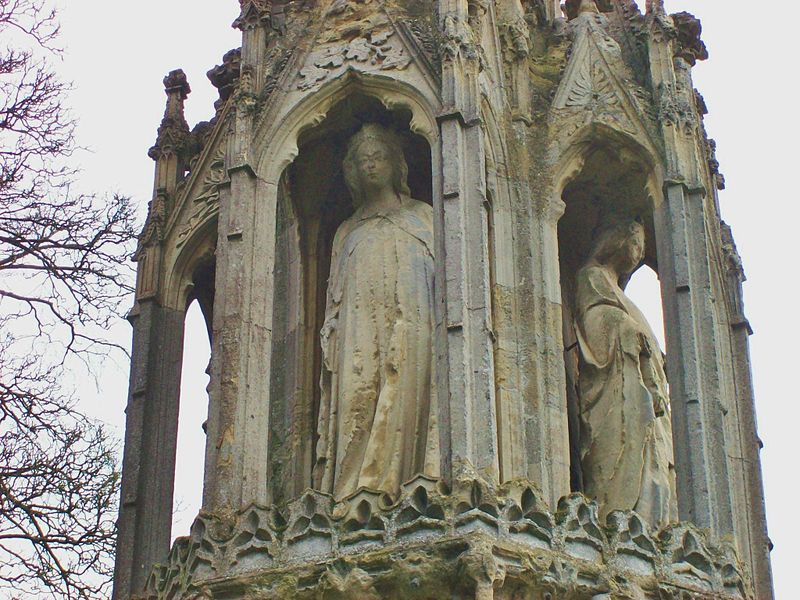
point(618, 399)
point(337, 383)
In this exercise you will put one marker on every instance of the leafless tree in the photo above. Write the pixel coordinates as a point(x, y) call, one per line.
point(64, 276)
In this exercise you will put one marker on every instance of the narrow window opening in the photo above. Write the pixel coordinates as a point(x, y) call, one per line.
point(189, 462)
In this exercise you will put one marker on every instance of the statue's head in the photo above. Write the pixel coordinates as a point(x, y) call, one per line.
point(619, 242)
point(374, 158)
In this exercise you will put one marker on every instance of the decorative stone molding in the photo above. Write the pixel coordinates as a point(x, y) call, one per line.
point(174, 129)
point(358, 37)
point(225, 76)
point(206, 204)
point(473, 532)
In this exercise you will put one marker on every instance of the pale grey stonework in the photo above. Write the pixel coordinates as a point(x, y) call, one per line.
point(523, 127)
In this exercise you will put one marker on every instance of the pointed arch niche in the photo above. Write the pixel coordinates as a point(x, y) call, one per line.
point(312, 202)
point(196, 295)
point(610, 176)
point(192, 417)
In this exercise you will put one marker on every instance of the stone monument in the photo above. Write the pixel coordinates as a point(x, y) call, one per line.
point(410, 227)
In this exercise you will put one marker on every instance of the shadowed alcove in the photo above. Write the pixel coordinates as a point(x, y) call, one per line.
point(313, 201)
point(614, 182)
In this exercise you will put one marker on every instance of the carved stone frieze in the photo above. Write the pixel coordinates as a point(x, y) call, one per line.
point(474, 533)
point(357, 35)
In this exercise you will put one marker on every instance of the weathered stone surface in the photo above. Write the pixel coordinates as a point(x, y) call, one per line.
point(434, 542)
point(378, 414)
point(626, 432)
point(523, 128)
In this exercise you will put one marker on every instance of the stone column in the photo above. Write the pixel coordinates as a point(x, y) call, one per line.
point(465, 354)
point(548, 429)
point(151, 433)
point(692, 359)
point(238, 423)
point(148, 467)
point(757, 546)
point(692, 319)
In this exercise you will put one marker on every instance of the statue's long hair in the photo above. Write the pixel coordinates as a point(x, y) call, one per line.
point(373, 131)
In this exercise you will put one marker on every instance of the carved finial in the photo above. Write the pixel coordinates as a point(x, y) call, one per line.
point(690, 46)
point(588, 6)
point(253, 14)
point(174, 129)
point(224, 76)
point(175, 83)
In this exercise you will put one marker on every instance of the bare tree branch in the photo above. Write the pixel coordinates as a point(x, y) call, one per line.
point(64, 278)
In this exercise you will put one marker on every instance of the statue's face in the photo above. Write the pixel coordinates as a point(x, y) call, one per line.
point(634, 247)
point(374, 163)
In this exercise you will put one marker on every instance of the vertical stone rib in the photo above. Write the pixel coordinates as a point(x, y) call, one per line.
point(150, 446)
point(471, 413)
point(692, 362)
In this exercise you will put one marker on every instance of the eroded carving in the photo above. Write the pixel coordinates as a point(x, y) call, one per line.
point(360, 36)
point(206, 204)
point(422, 531)
point(626, 433)
point(377, 420)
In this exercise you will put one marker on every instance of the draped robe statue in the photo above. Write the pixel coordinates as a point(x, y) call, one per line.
point(377, 423)
point(626, 433)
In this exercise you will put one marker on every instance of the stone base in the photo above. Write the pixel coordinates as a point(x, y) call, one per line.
point(471, 542)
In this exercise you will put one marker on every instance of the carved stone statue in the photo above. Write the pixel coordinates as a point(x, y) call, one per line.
point(626, 433)
point(377, 423)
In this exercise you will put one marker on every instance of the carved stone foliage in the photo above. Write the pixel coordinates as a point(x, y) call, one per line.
point(427, 37)
point(676, 105)
point(472, 535)
point(357, 35)
point(598, 86)
point(206, 203)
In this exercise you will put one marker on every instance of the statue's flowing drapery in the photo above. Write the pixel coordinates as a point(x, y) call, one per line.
point(626, 434)
point(377, 422)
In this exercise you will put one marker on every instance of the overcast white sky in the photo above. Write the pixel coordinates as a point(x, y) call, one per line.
point(118, 52)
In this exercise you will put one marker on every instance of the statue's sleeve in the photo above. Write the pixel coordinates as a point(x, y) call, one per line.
point(602, 323)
